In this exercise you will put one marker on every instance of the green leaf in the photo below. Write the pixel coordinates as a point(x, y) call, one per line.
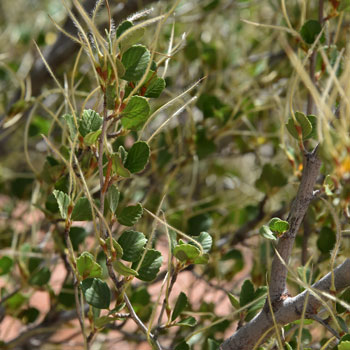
point(66, 296)
point(103, 321)
point(247, 293)
point(135, 61)
point(182, 346)
point(136, 113)
point(29, 315)
point(87, 267)
point(130, 39)
point(180, 305)
point(118, 166)
point(112, 198)
point(186, 252)
point(96, 293)
point(6, 264)
point(16, 301)
point(40, 277)
point(306, 126)
point(213, 344)
point(187, 322)
point(77, 236)
point(345, 296)
point(117, 247)
point(310, 30)
point(133, 243)
point(205, 240)
point(344, 345)
point(202, 259)
point(253, 310)
point(71, 125)
point(125, 25)
point(199, 223)
point(124, 270)
point(271, 177)
point(82, 210)
point(63, 202)
point(233, 300)
point(155, 87)
point(89, 122)
point(150, 265)
point(342, 324)
point(291, 128)
point(92, 137)
point(130, 215)
point(326, 240)
point(313, 120)
point(266, 232)
point(278, 225)
point(111, 95)
point(138, 156)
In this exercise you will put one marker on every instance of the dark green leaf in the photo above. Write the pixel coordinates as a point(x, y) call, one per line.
point(40, 277)
point(135, 61)
point(136, 113)
point(125, 25)
point(253, 310)
point(138, 156)
point(271, 177)
point(29, 315)
point(155, 87)
point(96, 293)
point(87, 267)
point(89, 122)
point(6, 264)
point(133, 243)
point(182, 346)
point(66, 296)
point(310, 30)
point(63, 202)
point(326, 240)
point(112, 198)
point(180, 305)
point(82, 210)
point(199, 223)
point(150, 265)
point(345, 296)
point(130, 215)
point(247, 293)
point(77, 236)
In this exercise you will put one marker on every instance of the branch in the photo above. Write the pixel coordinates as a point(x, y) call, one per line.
point(311, 166)
point(288, 311)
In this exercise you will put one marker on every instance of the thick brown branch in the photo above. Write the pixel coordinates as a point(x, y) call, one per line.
point(289, 311)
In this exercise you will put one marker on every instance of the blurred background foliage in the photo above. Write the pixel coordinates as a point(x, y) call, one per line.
point(225, 165)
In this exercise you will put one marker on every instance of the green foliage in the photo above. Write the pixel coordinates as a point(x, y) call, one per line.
point(180, 305)
point(135, 113)
point(150, 265)
point(130, 215)
point(138, 156)
point(96, 292)
point(133, 243)
point(87, 267)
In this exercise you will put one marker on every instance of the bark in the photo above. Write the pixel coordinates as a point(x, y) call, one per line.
point(290, 310)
